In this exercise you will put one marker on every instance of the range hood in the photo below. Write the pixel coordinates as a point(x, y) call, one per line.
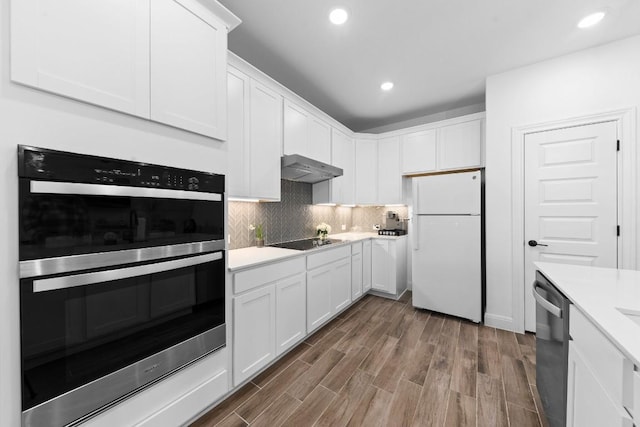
point(303, 169)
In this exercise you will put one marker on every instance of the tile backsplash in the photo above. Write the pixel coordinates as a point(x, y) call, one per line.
point(294, 217)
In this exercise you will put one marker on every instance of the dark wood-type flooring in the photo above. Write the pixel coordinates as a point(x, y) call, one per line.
point(385, 363)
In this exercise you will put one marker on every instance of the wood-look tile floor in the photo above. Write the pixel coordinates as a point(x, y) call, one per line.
point(385, 363)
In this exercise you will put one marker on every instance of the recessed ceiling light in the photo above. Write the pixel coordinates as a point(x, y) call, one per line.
point(591, 20)
point(386, 86)
point(338, 16)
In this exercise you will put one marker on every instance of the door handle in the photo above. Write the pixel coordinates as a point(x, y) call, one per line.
point(533, 243)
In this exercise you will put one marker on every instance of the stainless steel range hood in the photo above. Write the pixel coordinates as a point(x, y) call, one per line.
point(303, 169)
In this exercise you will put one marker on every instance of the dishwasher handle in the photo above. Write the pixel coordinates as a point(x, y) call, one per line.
point(551, 308)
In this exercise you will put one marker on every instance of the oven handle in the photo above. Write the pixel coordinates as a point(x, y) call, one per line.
point(64, 282)
point(51, 187)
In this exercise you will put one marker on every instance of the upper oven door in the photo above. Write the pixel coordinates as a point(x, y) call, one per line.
point(62, 219)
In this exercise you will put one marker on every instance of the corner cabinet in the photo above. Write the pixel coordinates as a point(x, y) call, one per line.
point(254, 138)
point(166, 62)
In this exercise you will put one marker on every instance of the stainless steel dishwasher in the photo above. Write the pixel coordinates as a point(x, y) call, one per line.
point(552, 349)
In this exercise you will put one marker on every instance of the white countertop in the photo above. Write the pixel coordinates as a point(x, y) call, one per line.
point(253, 256)
point(598, 293)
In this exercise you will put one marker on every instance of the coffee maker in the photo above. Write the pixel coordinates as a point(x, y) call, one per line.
point(393, 225)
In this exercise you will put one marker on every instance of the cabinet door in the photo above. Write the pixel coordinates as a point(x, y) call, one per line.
point(72, 48)
point(340, 284)
point(459, 145)
point(188, 67)
point(318, 297)
point(587, 402)
point(419, 152)
point(382, 263)
point(238, 149)
point(389, 175)
point(366, 265)
point(366, 171)
point(356, 276)
point(319, 144)
point(340, 190)
point(266, 137)
point(254, 332)
point(291, 313)
point(296, 130)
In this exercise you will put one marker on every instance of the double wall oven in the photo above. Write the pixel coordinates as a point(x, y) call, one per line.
point(122, 278)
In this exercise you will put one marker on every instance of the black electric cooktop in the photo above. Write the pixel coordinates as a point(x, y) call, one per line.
point(305, 244)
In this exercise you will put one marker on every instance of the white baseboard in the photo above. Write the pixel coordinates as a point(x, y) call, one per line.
point(498, 321)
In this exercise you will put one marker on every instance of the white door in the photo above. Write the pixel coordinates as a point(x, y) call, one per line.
point(570, 200)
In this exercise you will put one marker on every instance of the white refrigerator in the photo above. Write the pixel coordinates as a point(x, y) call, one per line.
point(447, 244)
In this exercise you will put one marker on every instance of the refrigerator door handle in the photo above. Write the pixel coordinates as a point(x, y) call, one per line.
point(416, 207)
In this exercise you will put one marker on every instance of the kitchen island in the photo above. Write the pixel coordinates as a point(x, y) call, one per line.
point(603, 382)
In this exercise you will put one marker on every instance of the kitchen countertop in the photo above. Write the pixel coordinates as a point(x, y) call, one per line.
point(599, 293)
point(254, 256)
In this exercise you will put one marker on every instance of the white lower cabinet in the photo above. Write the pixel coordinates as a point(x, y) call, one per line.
point(254, 332)
point(356, 271)
point(341, 284)
point(389, 265)
point(600, 378)
point(291, 313)
point(318, 297)
point(328, 284)
point(366, 265)
point(588, 403)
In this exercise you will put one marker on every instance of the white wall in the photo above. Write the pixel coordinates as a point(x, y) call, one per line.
point(31, 117)
point(593, 81)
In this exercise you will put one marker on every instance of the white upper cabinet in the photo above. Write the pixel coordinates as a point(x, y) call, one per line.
point(69, 47)
point(366, 171)
point(340, 190)
point(454, 144)
point(163, 60)
point(319, 147)
point(238, 144)
point(266, 139)
point(460, 145)
point(305, 134)
point(389, 175)
point(254, 138)
point(188, 67)
point(419, 152)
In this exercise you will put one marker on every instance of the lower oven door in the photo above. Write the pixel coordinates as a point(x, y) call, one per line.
point(91, 338)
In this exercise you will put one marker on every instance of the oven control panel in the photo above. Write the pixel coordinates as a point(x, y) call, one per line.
point(52, 165)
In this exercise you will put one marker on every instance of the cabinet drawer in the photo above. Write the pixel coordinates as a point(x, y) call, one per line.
point(325, 257)
point(255, 277)
point(356, 248)
point(612, 369)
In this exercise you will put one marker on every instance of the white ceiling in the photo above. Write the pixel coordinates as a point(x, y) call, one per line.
point(437, 52)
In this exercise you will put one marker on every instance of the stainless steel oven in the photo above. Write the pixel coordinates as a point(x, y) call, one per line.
point(122, 278)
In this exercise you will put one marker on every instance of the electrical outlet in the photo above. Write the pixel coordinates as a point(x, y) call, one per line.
point(344, 227)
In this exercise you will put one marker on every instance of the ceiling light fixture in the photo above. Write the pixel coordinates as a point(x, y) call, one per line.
point(591, 20)
point(338, 16)
point(386, 86)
